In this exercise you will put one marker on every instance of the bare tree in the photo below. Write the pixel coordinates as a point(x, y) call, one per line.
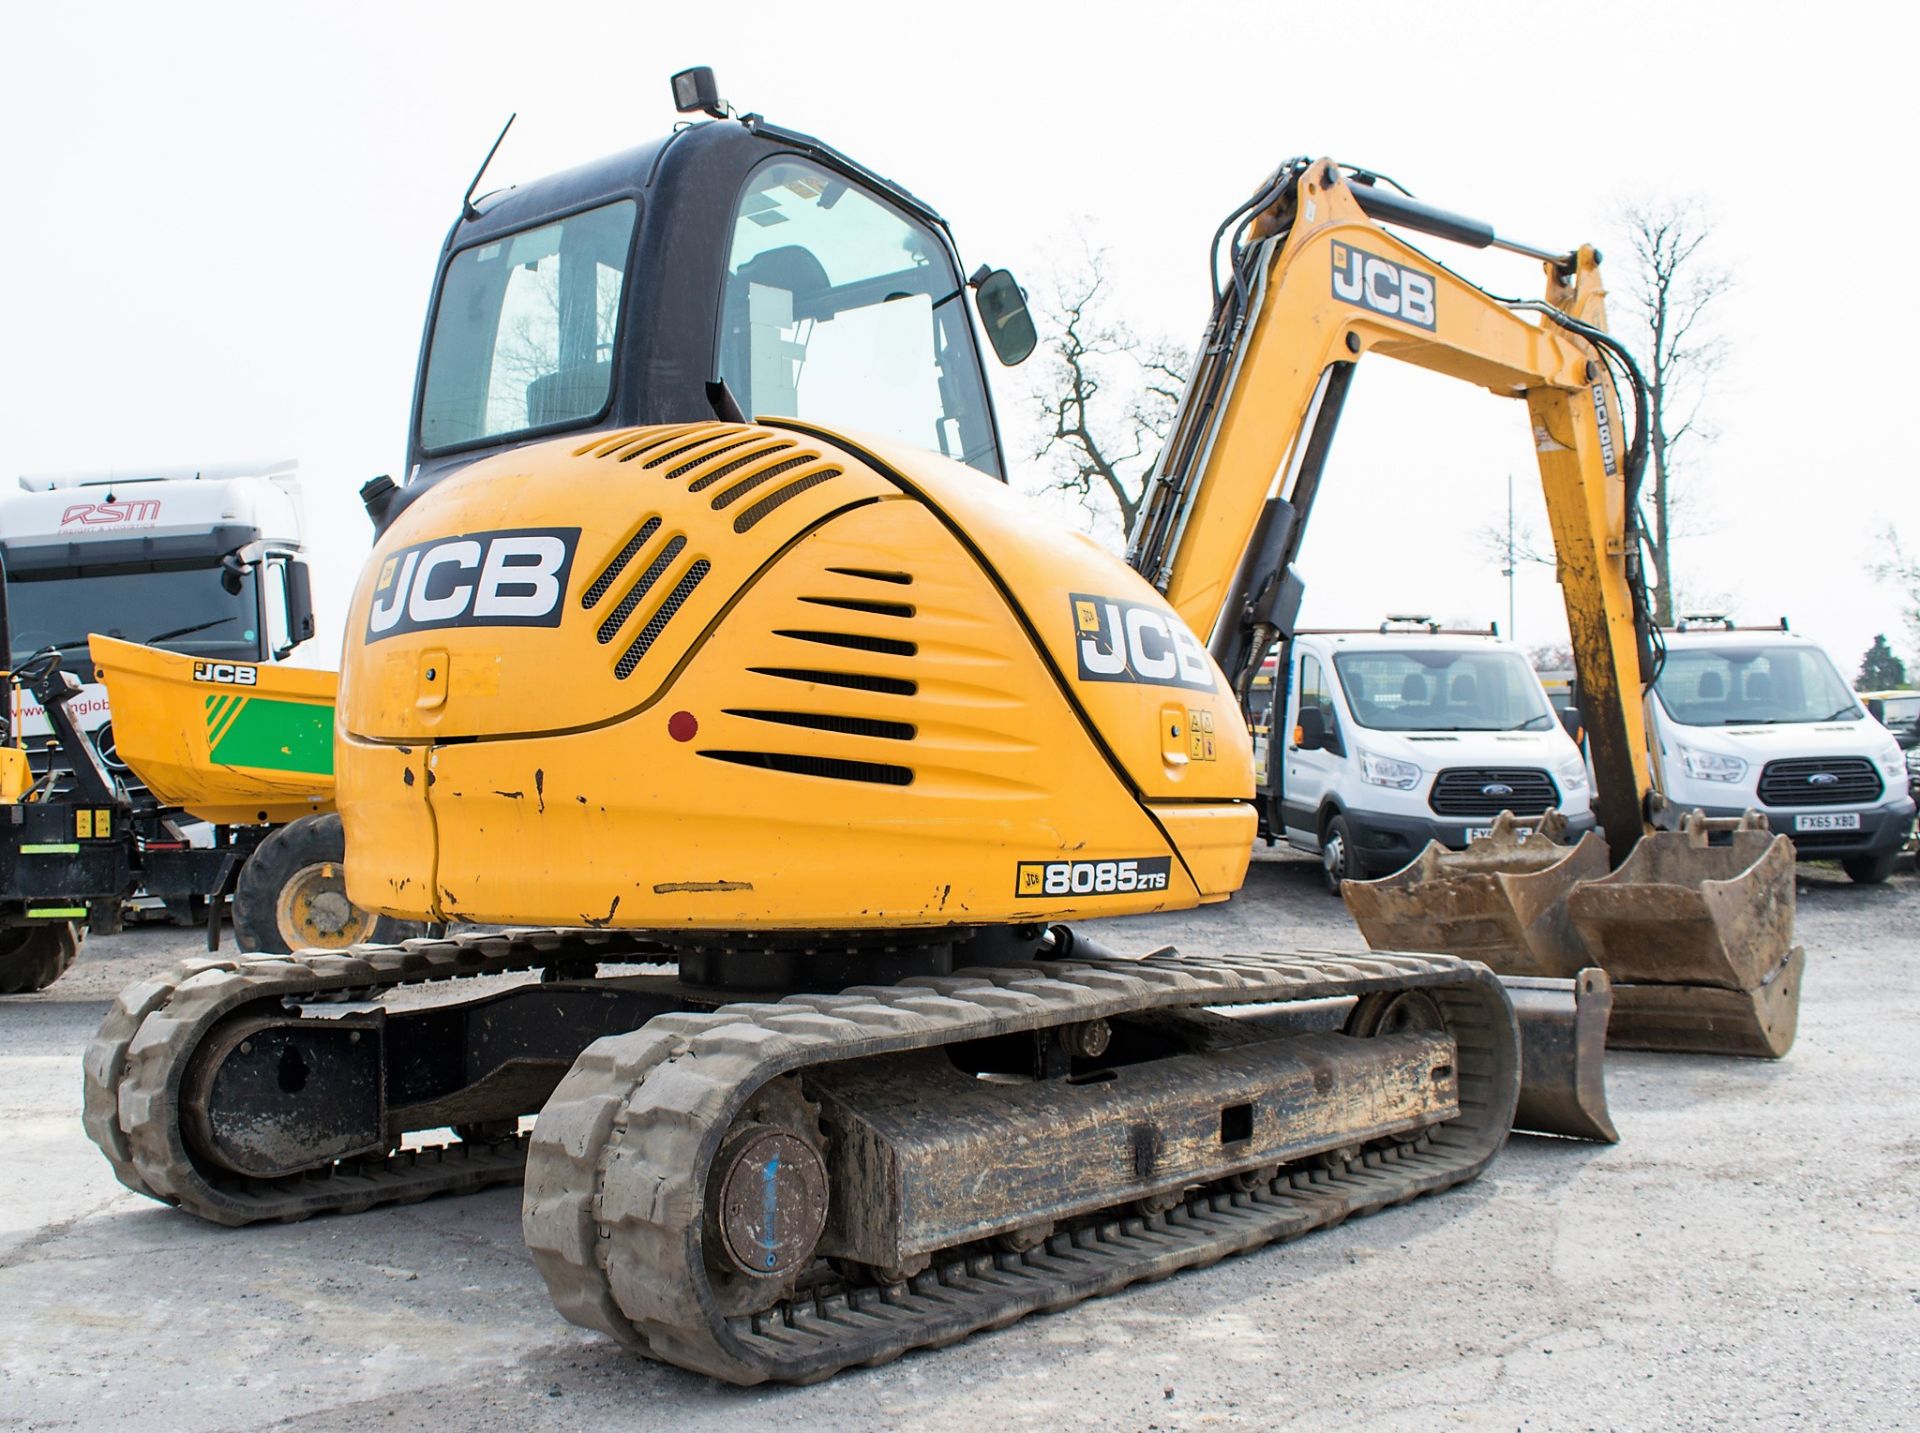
point(1903, 571)
point(1674, 288)
point(1108, 397)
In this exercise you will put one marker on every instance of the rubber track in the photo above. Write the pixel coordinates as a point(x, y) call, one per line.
point(135, 1063)
point(613, 1209)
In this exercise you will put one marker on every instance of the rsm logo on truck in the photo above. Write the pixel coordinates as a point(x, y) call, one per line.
point(123, 512)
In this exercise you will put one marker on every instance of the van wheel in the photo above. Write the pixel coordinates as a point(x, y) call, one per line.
point(1336, 855)
point(1869, 870)
point(292, 894)
point(32, 957)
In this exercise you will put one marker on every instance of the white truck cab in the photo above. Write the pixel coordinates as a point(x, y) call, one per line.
point(1745, 718)
point(1386, 739)
point(198, 560)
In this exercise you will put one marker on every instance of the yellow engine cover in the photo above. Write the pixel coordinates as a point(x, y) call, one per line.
point(733, 677)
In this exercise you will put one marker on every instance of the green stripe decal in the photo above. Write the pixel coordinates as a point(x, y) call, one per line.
point(223, 719)
point(57, 912)
point(71, 848)
point(274, 736)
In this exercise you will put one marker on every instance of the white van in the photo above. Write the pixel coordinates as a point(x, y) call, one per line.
point(1392, 738)
point(1743, 718)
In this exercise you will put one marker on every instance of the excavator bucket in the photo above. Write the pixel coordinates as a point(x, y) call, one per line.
point(1563, 1054)
point(1503, 901)
point(1698, 938)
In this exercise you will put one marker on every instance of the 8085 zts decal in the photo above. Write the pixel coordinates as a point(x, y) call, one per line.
point(1035, 880)
point(514, 578)
point(1120, 641)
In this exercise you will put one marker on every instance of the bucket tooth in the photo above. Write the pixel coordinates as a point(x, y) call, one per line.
point(1503, 900)
point(1563, 1040)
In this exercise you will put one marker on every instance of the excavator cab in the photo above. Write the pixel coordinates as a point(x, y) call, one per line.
point(726, 269)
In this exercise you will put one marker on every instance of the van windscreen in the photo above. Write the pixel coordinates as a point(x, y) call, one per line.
point(1441, 690)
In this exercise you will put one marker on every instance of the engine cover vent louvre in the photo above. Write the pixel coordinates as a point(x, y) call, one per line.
point(657, 623)
point(773, 500)
point(618, 617)
point(692, 463)
point(732, 495)
point(874, 773)
point(671, 451)
point(856, 641)
point(601, 584)
point(902, 578)
point(707, 480)
point(824, 721)
point(854, 604)
point(628, 446)
point(853, 681)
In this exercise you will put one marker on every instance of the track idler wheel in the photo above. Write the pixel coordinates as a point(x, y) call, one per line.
point(766, 1200)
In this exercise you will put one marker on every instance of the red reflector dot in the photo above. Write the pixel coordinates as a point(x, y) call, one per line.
point(682, 726)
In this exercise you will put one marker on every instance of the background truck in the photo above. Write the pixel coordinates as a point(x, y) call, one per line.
point(202, 565)
point(201, 560)
point(1388, 738)
point(1744, 718)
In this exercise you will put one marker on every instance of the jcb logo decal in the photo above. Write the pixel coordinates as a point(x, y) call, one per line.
point(1371, 282)
point(484, 579)
point(143, 512)
point(1120, 641)
point(230, 674)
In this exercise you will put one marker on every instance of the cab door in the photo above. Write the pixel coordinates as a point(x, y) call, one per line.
point(1315, 752)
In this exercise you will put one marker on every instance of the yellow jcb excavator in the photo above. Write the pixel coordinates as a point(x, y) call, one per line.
point(797, 746)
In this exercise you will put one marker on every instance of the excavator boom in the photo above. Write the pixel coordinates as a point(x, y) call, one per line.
point(1314, 283)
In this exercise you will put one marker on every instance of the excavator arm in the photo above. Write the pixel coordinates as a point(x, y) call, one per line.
point(1689, 940)
point(1315, 283)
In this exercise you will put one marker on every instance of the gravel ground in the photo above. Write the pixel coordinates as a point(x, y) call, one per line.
point(1748, 1256)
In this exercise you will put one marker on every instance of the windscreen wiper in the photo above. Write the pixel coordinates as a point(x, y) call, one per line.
point(187, 631)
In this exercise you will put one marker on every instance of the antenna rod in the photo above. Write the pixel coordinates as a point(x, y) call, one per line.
point(467, 211)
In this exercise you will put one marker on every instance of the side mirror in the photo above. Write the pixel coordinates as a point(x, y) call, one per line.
point(299, 589)
point(696, 91)
point(1570, 719)
point(1310, 733)
point(1003, 313)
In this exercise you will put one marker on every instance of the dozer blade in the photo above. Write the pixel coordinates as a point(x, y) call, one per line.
point(1503, 900)
point(1698, 939)
point(1563, 1040)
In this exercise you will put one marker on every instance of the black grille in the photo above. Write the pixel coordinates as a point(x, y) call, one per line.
point(618, 618)
point(619, 564)
point(856, 641)
point(856, 681)
point(1801, 781)
point(657, 623)
point(877, 773)
point(1462, 791)
point(773, 500)
point(824, 721)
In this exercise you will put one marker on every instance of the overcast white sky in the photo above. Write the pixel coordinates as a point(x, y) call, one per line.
point(223, 221)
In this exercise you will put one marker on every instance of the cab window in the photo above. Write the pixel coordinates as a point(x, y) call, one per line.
point(840, 309)
point(524, 332)
point(1316, 717)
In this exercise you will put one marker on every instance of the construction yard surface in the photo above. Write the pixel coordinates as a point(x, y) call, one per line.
point(1748, 1256)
